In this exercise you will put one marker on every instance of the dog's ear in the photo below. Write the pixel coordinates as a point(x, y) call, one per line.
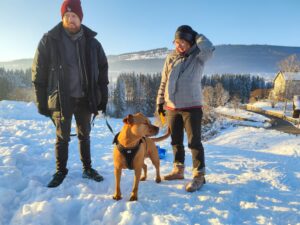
point(128, 119)
point(140, 114)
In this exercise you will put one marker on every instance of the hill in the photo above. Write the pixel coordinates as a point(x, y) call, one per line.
point(17, 64)
point(253, 59)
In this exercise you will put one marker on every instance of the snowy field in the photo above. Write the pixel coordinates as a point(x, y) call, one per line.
point(253, 177)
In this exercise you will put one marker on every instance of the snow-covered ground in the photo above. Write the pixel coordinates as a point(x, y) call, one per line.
point(241, 113)
point(279, 107)
point(250, 118)
point(253, 177)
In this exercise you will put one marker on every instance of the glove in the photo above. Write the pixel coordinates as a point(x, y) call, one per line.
point(44, 112)
point(160, 109)
point(104, 112)
point(102, 108)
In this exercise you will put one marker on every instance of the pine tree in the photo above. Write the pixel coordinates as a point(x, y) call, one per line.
point(119, 98)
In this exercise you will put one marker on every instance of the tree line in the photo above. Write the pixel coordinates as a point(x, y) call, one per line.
point(16, 85)
point(133, 93)
point(137, 92)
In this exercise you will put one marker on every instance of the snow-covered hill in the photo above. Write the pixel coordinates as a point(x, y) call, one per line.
point(246, 59)
point(253, 177)
point(159, 53)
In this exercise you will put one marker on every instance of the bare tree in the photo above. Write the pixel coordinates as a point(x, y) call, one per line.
point(208, 115)
point(208, 95)
point(221, 95)
point(235, 102)
point(273, 99)
point(289, 64)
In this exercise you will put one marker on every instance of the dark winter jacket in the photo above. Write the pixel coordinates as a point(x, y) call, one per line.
point(49, 73)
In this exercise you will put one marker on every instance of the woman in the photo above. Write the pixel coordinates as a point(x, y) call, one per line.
point(180, 94)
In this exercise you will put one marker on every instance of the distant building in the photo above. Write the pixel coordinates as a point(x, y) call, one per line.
point(286, 85)
point(258, 94)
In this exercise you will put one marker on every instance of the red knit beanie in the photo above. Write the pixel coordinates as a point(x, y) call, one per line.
point(72, 6)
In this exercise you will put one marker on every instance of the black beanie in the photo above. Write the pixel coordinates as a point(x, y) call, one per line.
point(186, 33)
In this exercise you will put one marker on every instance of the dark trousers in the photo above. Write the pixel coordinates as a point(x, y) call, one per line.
point(190, 121)
point(82, 114)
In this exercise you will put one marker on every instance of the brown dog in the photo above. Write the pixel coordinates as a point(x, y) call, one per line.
point(132, 146)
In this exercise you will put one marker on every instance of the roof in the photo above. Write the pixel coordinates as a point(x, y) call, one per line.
point(289, 75)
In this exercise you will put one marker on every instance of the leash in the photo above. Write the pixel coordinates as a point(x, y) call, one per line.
point(108, 125)
point(162, 119)
point(92, 124)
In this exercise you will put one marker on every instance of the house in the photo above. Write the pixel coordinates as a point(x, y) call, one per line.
point(257, 94)
point(286, 85)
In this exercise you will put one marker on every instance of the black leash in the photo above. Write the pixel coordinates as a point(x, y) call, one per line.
point(108, 125)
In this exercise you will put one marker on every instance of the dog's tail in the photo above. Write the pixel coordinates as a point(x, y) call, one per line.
point(165, 136)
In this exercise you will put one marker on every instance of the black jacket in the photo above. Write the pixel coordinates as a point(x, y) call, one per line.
point(49, 73)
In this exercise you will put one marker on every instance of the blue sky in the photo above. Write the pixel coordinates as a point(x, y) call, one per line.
point(135, 25)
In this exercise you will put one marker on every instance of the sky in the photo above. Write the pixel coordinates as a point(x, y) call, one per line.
point(134, 25)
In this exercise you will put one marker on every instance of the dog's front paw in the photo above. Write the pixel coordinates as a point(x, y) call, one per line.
point(117, 197)
point(158, 180)
point(143, 178)
point(133, 198)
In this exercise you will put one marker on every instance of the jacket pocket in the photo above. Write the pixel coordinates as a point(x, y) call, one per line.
point(53, 101)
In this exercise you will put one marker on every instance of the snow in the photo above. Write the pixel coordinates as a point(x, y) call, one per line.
point(151, 54)
point(253, 177)
point(279, 107)
point(242, 113)
point(250, 118)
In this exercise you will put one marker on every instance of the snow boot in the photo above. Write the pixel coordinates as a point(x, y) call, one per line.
point(177, 172)
point(57, 179)
point(196, 183)
point(92, 174)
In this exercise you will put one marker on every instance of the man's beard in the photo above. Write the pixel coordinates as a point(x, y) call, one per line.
point(73, 29)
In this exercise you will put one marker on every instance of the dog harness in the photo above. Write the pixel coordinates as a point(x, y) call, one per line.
point(128, 153)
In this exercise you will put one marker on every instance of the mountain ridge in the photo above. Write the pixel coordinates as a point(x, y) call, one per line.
point(229, 58)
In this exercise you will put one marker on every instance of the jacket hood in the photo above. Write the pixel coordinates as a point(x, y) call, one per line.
point(55, 32)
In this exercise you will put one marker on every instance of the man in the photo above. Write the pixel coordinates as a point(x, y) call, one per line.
point(180, 93)
point(70, 77)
